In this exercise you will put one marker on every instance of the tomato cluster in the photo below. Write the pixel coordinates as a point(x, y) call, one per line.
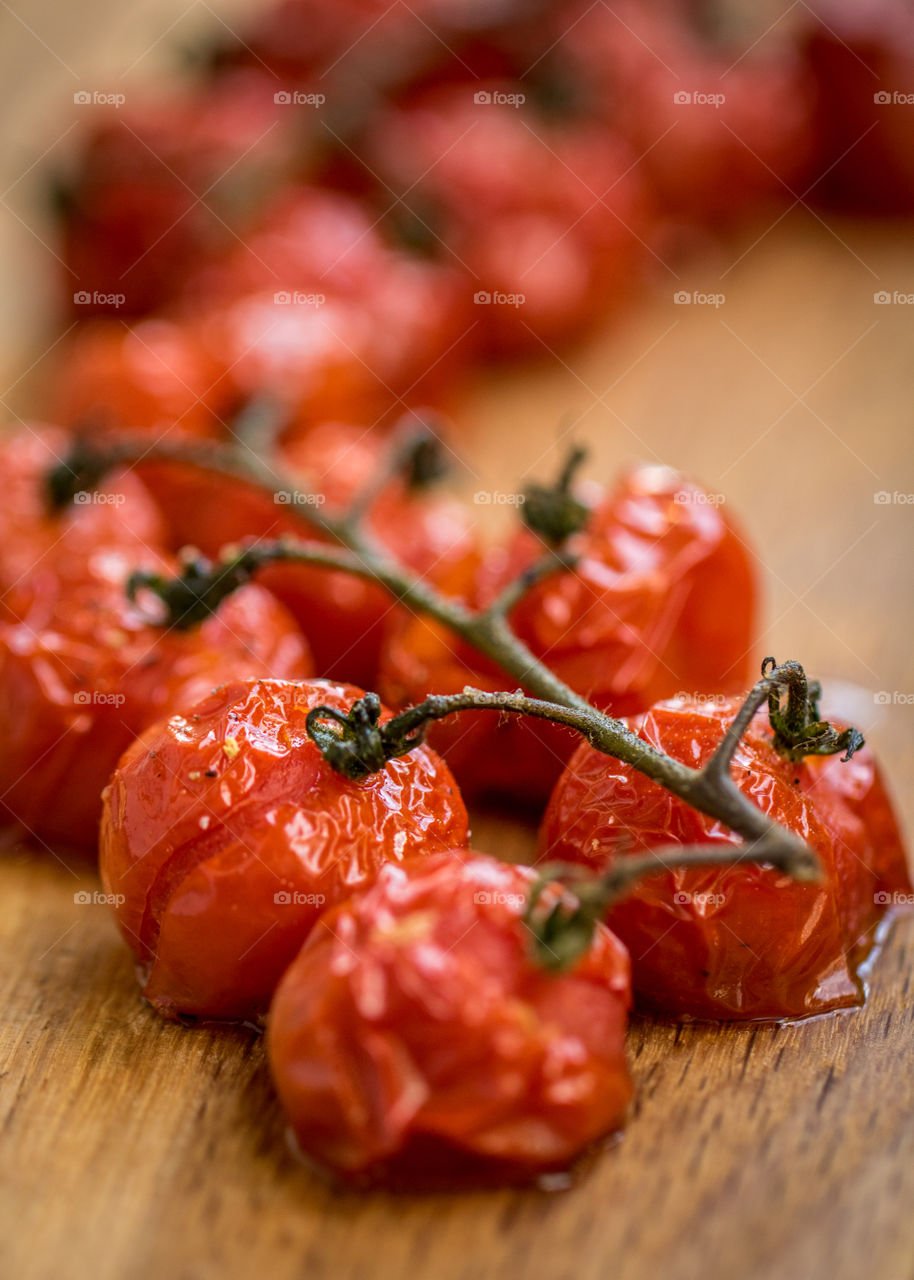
point(292, 262)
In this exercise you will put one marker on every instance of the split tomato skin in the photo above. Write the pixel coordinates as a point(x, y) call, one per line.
point(414, 1038)
point(662, 600)
point(226, 834)
point(741, 942)
point(83, 671)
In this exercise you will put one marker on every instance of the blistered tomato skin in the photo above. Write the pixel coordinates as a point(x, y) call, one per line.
point(226, 833)
point(662, 599)
point(740, 942)
point(415, 1039)
point(83, 671)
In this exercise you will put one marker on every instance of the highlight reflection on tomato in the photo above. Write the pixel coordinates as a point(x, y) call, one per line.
point(414, 1037)
point(744, 941)
point(662, 599)
point(83, 671)
point(227, 834)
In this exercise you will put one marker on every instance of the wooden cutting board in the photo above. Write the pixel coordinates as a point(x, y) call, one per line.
point(136, 1149)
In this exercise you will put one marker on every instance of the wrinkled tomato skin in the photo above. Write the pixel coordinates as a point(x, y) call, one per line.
point(414, 1037)
point(739, 942)
point(343, 617)
point(226, 833)
point(82, 671)
point(662, 600)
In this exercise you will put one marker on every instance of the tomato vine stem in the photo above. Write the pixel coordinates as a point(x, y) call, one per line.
point(361, 743)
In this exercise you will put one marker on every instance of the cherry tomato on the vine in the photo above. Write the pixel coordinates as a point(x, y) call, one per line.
point(83, 671)
point(746, 941)
point(415, 1038)
point(226, 833)
point(662, 600)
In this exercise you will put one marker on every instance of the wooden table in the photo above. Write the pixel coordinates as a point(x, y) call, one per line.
point(136, 1149)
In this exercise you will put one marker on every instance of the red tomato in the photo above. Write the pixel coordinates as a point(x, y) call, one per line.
point(662, 600)
point(154, 377)
point(33, 537)
point(82, 671)
point(861, 58)
point(162, 184)
point(721, 119)
point(226, 833)
point(343, 617)
point(545, 218)
point(748, 941)
point(414, 1037)
point(319, 311)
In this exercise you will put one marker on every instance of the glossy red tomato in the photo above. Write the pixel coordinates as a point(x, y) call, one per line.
point(343, 616)
point(545, 218)
point(662, 600)
point(82, 671)
point(414, 1037)
point(748, 941)
point(159, 185)
point(226, 833)
point(155, 376)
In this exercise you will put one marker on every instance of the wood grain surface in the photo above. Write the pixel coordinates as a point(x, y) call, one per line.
point(131, 1148)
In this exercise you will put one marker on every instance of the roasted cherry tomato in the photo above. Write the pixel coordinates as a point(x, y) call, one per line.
point(83, 671)
point(156, 376)
point(545, 217)
point(745, 941)
point(226, 833)
point(718, 111)
point(414, 1038)
point(343, 617)
point(161, 184)
point(662, 600)
point(319, 310)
